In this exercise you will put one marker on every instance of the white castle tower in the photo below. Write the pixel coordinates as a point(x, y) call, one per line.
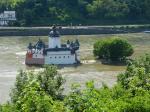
point(54, 38)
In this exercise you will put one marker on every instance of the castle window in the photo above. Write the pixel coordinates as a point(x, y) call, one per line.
point(64, 56)
point(55, 57)
point(68, 56)
point(59, 56)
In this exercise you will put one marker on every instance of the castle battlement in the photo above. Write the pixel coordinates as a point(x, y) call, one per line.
point(54, 52)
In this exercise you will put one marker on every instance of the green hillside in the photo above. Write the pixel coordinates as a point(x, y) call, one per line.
point(86, 12)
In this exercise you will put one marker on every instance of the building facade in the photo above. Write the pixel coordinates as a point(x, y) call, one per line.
point(54, 52)
point(6, 17)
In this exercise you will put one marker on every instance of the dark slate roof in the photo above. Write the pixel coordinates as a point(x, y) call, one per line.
point(63, 45)
point(57, 49)
point(30, 46)
point(54, 34)
point(40, 44)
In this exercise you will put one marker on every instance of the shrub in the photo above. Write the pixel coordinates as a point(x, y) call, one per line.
point(120, 49)
point(137, 74)
point(51, 82)
point(113, 49)
point(49, 79)
point(101, 49)
point(130, 94)
point(35, 99)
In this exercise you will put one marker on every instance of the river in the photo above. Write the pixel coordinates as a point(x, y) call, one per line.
point(12, 55)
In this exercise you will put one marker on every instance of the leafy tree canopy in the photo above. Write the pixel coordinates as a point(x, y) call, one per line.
point(46, 12)
point(113, 49)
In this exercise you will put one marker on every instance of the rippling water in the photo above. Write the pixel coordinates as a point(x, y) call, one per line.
point(12, 55)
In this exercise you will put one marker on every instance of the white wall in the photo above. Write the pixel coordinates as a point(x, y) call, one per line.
point(53, 42)
point(78, 55)
point(60, 58)
point(11, 15)
point(3, 23)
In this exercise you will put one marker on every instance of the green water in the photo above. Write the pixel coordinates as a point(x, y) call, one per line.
point(13, 49)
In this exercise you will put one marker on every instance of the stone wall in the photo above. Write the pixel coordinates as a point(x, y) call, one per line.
point(44, 31)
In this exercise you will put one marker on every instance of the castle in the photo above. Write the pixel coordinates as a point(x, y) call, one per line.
point(54, 52)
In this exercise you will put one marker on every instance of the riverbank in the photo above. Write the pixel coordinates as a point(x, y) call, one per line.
point(73, 30)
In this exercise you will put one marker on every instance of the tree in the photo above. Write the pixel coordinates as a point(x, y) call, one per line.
point(35, 99)
point(119, 49)
point(137, 75)
point(49, 79)
point(21, 80)
point(37, 91)
point(113, 49)
point(8, 108)
point(108, 9)
point(51, 82)
point(130, 94)
point(101, 49)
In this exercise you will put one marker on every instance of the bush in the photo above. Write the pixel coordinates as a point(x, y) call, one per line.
point(113, 49)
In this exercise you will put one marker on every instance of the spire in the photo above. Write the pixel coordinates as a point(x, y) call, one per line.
point(54, 28)
point(54, 32)
point(77, 42)
point(68, 42)
point(30, 46)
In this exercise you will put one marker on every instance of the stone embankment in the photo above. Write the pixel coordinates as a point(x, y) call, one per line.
point(74, 30)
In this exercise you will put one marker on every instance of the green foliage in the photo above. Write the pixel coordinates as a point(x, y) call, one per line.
point(35, 99)
point(21, 80)
point(51, 82)
point(108, 9)
point(8, 108)
point(49, 79)
point(45, 12)
point(101, 49)
point(113, 49)
point(119, 49)
point(116, 99)
point(137, 75)
point(38, 92)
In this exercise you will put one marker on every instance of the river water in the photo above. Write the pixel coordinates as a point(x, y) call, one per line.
point(12, 56)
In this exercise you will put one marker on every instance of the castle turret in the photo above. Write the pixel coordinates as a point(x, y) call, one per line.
point(54, 38)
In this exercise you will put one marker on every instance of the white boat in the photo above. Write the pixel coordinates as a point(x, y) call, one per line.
point(147, 31)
